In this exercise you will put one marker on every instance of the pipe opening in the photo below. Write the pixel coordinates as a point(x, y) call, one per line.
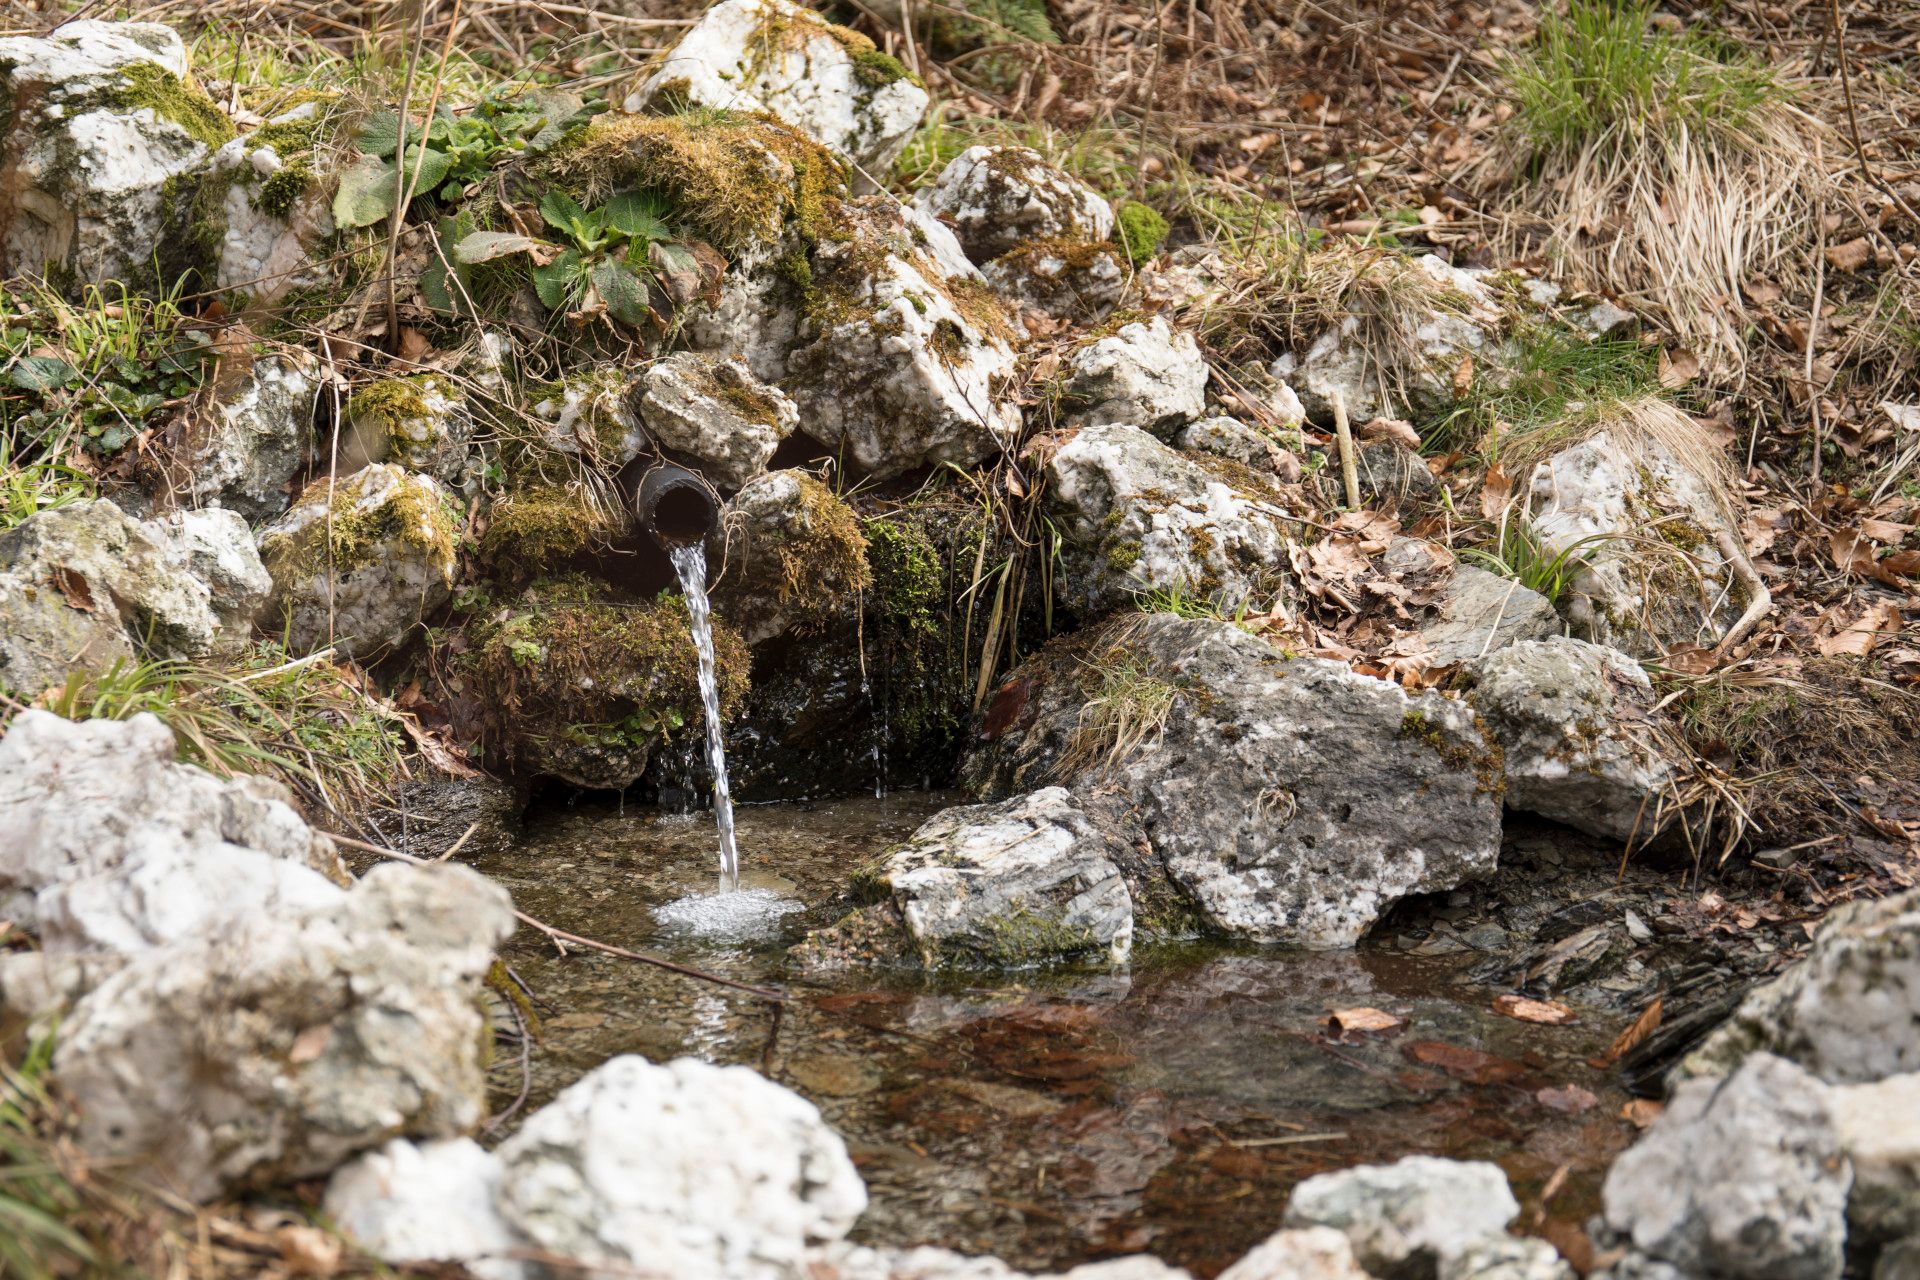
point(676, 507)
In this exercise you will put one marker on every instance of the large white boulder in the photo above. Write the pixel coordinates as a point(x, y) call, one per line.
point(275, 213)
point(1291, 800)
point(996, 198)
point(106, 142)
point(825, 80)
point(359, 560)
point(713, 414)
point(279, 1046)
point(1298, 1253)
point(108, 843)
point(688, 1169)
point(427, 1202)
point(1136, 516)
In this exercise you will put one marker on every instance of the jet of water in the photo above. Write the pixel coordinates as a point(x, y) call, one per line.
point(691, 564)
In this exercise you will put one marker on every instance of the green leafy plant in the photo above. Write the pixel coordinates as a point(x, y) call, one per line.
point(612, 260)
point(450, 153)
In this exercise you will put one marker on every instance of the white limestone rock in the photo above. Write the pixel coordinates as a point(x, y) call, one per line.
point(790, 557)
point(79, 583)
point(1267, 829)
point(1147, 375)
point(1303, 1253)
point(1644, 524)
point(363, 584)
point(1031, 880)
point(827, 81)
point(1136, 516)
point(1230, 438)
point(427, 1202)
point(1074, 281)
point(1476, 613)
point(1879, 1126)
point(1507, 1258)
point(858, 1262)
point(695, 1171)
point(590, 412)
point(276, 214)
point(714, 415)
point(1408, 1219)
point(1581, 748)
point(105, 145)
point(904, 356)
point(245, 453)
point(1738, 1177)
point(283, 1044)
point(996, 198)
point(420, 422)
point(1849, 1011)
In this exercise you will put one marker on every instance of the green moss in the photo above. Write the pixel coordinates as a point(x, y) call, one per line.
point(288, 139)
point(355, 536)
point(388, 402)
point(1018, 939)
point(1140, 230)
point(535, 529)
point(738, 180)
point(1122, 556)
point(877, 70)
point(909, 579)
point(282, 190)
point(1487, 765)
point(809, 566)
point(173, 100)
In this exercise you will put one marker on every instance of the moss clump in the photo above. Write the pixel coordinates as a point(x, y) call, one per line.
point(736, 179)
point(1140, 230)
point(535, 529)
point(1122, 556)
point(1075, 254)
point(807, 560)
point(173, 100)
point(388, 402)
point(726, 382)
point(909, 578)
point(877, 70)
point(1019, 939)
point(588, 412)
point(411, 514)
point(282, 190)
point(570, 659)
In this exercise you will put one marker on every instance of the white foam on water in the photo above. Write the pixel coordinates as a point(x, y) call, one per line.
point(732, 915)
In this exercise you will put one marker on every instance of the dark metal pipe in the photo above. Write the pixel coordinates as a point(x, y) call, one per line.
point(675, 506)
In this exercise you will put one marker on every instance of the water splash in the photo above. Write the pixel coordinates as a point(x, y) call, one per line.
point(691, 564)
point(738, 915)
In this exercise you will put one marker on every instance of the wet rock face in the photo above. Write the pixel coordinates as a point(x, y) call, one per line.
point(1573, 720)
point(903, 352)
point(996, 198)
point(1031, 880)
point(1410, 1220)
point(108, 844)
point(1221, 747)
point(280, 1046)
point(714, 415)
point(105, 144)
point(420, 423)
point(1849, 1012)
point(827, 81)
point(362, 578)
point(688, 1169)
point(244, 454)
point(79, 583)
point(1616, 505)
point(1136, 516)
point(1147, 375)
point(1741, 1177)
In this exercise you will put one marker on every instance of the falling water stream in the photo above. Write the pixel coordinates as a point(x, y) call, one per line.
point(690, 562)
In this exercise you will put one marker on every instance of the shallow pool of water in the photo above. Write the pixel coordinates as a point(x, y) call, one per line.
point(1048, 1117)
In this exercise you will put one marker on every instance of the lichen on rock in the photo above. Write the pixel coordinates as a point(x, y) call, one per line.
point(997, 198)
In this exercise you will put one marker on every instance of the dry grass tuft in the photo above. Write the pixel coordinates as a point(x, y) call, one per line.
point(1127, 707)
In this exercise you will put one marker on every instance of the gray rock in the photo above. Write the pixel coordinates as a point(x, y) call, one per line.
point(1031, 880)
point(105, 146)
point(1741, 1177)
point(1899, 1261)
point(1224, 750)
point(912, 371)
point(788, 61)
point(245, 453)
point(80, 583)
point(1507, 1258)
point(687, 1169)
point(1643, 522)
point(427, 1202)
point(108, 844)
point(1581, 746)
point(1305, 1253)
point(1077, 281)
point(1482, 614)
point(481, 815)
point(1388, 471)
point(1136, 516)
point(216, 548)
point(278, 1047)
point(790, 558)
point(713, 414)
point(1849, 1011)
point(1230, 438)
point(1879, 1127)
point(420, 422)
point(273, 245)
point(1410, 1219)
point(1146, 374)
point(590, 412)
point(995, 198)
point(362, 579)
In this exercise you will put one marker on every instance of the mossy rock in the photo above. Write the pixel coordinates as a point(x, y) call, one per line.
point(420, 422)
point(538, 528)
point(795, 558)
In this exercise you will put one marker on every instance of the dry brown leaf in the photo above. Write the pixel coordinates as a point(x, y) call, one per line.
point(1547, 1012)
point(74, 589)
point(1643, 1026)
point(1462, 1063)
point(1678, 367)
point(1858, 638)
point(1391, 429)
point(308, 1251)
point(1364, 1018)
point(414, 346)
point(1570, 1099)
point(1641, 1112)
point(1463, 377)
point(310, 1043)
point(1851, 256)
point(1850, 552)
point(1885, 530)
point(1496, 491)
